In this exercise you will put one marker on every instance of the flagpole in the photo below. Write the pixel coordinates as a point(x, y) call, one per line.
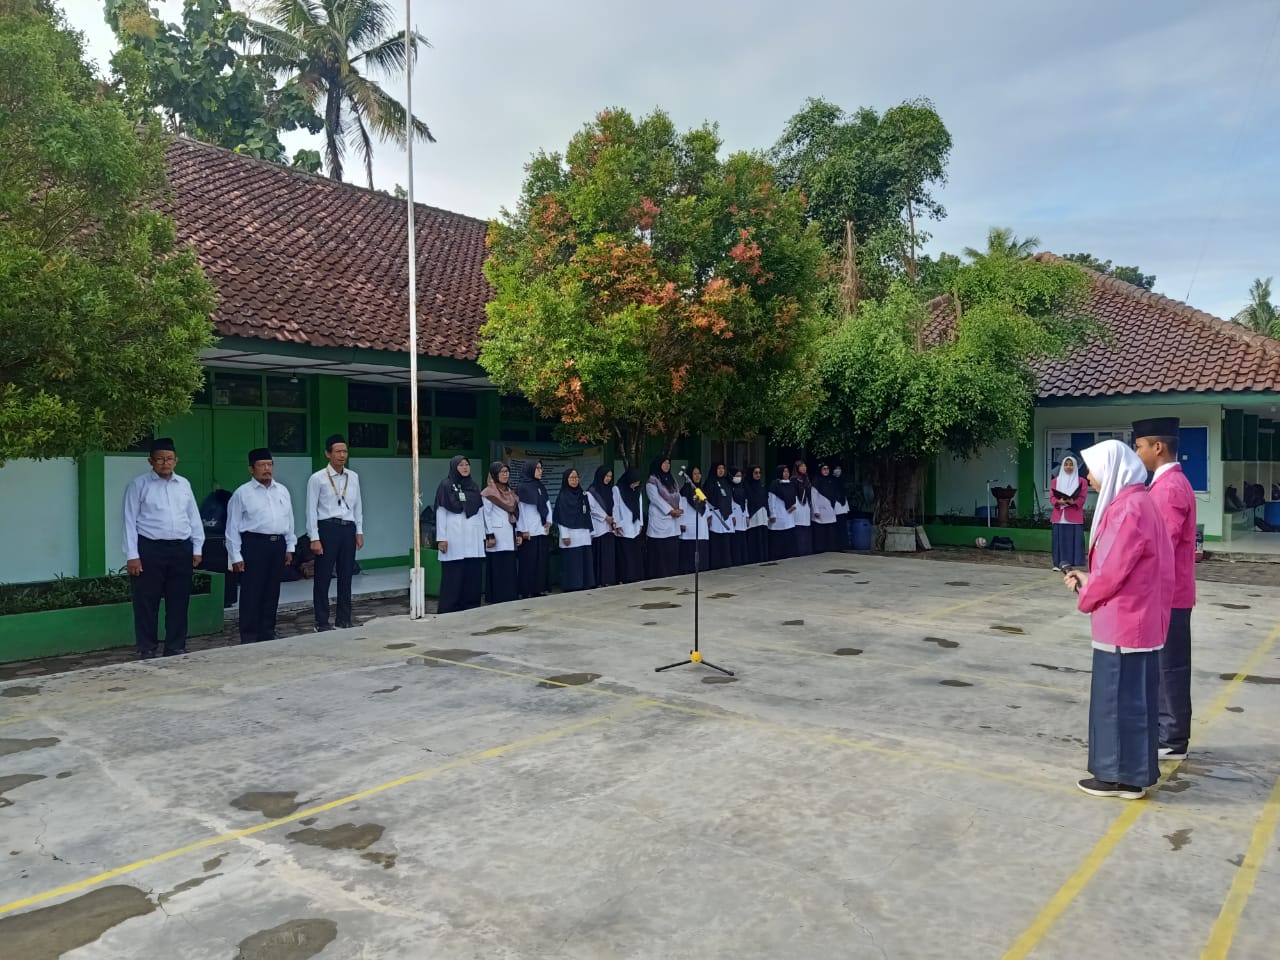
point(417, 592)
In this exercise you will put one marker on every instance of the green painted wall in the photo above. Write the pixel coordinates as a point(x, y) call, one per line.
point(93, 515)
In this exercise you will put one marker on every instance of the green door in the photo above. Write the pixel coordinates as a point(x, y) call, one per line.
point(235, 433)
point(193, 436)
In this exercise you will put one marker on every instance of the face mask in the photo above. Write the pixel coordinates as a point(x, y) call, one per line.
point(836, 472)
point(737, 479)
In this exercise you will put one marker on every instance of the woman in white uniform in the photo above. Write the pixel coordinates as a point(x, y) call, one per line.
point(534, 527)
point(629, 515)
point(460, 537)
point(694, 532)
point(501, 511)
point(782, 519)
point(720, 515)
point(572, 517)
point(604, 528)
point(758, 525)
point(803, 542)
point(824, 510)
point(664, 520)
point(738, 542)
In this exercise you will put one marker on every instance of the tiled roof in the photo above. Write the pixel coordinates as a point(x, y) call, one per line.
point(1158, 346)
point(302, 259)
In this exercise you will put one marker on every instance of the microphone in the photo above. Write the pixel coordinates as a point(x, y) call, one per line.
point(697, 491)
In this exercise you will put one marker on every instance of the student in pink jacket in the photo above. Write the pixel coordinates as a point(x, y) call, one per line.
point(1068, 495)
point(1127, 591)
point(1156, 443)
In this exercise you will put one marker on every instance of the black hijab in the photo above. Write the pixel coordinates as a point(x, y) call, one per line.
point(687, 491)
point(840, 496)
point(829, 487)
point(803, 482)
point(717, 489)
point(458, 494)
point(630, 497)
point(664, 476)
point(757, 492)
point(603, 492)
point(738, 490)
point(784, 490)
point(572, 511)
point(533, 491)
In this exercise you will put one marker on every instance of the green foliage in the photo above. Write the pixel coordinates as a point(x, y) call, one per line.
point(644, 286)
point(200, 78)
point(1001, 242)
point(101, 314)
point(877, 171)
point(936, 277)
point(308, 160)
point(70, 593)
point(1132, 275)
point(327, 50)
point(1260, 315)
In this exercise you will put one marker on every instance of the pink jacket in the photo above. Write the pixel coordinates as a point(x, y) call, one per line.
point(1176, 501)
point(1073, 513)
point(1130, 573)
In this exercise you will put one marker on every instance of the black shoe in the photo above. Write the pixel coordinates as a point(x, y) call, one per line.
point(1103, 788)
point(346, 626)
point(324, 627)
point(150, 655)
point(175, 653)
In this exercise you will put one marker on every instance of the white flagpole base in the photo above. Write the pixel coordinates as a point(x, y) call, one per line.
point(417, 594)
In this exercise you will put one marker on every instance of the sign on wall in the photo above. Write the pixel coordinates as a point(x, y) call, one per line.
point(556, 462)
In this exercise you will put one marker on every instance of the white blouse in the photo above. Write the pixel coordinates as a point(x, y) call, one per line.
point(694, 525)
point(804, 514)
point(630, 523)
point(498, 522)
point(599, 523)
point(824, 511)
point(661, 524)
point(782, 518)
point(719, 524)
point(464, 535)
point(530, 521)
point(577, 537)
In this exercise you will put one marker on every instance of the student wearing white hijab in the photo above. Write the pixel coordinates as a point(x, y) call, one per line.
point(1126, 590)
point(1067, 496)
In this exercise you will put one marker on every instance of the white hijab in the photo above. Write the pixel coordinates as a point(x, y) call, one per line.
point(1115, 466)
point(1068, 483)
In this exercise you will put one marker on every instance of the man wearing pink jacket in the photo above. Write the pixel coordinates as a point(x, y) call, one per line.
point(1156, 443)
point(1127, 592)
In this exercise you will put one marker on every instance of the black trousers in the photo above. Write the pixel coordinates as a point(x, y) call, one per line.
point(1175, 682)
point(757, 545)
point(531, 559)
point(738, 548)
point(664, 557)
point(166, 575)
point(630, 559)
point(782, 544)
point(720, 550)
point(501, 586)
point(460, 584)
point(260, 585)
point(338, 538)
point(604, 550)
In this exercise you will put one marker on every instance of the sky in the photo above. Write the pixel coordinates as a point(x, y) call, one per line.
point(1144, 132)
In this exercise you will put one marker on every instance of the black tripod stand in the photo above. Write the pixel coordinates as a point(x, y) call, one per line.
point(695, 655)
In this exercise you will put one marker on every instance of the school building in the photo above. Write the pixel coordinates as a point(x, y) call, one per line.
point(1159, 357)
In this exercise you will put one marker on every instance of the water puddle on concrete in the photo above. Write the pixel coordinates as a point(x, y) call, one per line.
point(213, 864)
point(20, 692)
point(1248, 678)
point(771, 563)
point(387, 690)
point(292, 940)
point(50, 932)
point(433, 658)
point(13, 782)
point(8, 747)
point(1050, 666)
point(1192, 769)
point(271, 804)
point(65, 774)
point(793, 623)
point(184, 886)
point(116, 689)
point(722, 596)
point(942, 642)
point(957, 583)
point(840, 571)
point(1237, 860)
point(1014, 706)
point(499, 629)
point(308, 821)
point(848, 652)
point(1233, 606)
point(719, 679)
point(649, 623)
point(954, 683)
point(656, 589)
point(385, 860)
point(568, 680)
point(345, 836)
point(399, 646)
point(663, 605)
point(1235, 709)
point(1004, 629)
point(1179, 838)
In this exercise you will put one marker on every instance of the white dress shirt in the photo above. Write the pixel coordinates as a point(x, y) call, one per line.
point(783, 519)
point(161, 510)
point(631, 523)
point(661, 524)
point(599, 522)
point(530, 522)
point(259, 508)
point(333, 496)
point(694, 523)
point(824, 511)
point(804, 513)
point(464, 535)
point(498, 522)
point(719, 522)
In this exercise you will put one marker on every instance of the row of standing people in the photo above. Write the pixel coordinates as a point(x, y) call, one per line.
point(496, 540)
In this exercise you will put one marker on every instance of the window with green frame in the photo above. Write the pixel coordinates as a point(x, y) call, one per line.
point(282, 398)
point(520, 421)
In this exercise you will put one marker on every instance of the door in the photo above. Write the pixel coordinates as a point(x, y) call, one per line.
point(1193, 454)
point(235, 433)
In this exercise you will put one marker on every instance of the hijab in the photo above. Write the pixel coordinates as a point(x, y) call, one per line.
point(665, 483)
point(802, 481)
point(837, 484)
point(688, 492)
point(630, 497)
point(603, 492)
point(757, 492)
point(738, 490)
point(533, 491)
point(718, 490)
point(1068, 483)
point(500, 494)
point(784, 490)
point(572, 511)
point(1115, 466)
point(456, 493)
point(828, 486)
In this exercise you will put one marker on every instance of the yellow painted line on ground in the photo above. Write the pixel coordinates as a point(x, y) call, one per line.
point(1096, 857)
point(538, 738)
point(1224, 928)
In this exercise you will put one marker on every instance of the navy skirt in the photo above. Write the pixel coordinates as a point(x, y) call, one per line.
point(1124, 718)
point(1068, 545)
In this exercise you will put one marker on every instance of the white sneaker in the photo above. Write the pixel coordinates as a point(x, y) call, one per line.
point(1057, 569)
point(1168, 753)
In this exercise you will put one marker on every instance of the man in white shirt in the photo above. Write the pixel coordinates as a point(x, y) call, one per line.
point(335, 523)
point(260, 542)
point(163, 537)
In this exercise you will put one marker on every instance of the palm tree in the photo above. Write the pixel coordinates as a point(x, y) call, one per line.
point(1260, 315)
point(326, 49)
point(1002, 243)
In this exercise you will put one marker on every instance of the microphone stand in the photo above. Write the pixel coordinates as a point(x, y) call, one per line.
point(695, 655)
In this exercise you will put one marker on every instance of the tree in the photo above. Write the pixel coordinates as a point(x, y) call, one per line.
point(899, 384)
point(874, 171)
point(937, 277)
point(101, 313)
point(326, 48)
point(644, 286)
point(1001, 242)
point(1133, 275)
point(201, 81)
point(1260, 315)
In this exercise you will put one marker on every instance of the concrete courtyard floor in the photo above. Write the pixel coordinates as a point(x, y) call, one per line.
point(890, 774)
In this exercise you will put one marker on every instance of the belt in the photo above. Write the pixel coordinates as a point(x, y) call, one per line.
point(142, 539)
point(268, 537)
point(345, 523)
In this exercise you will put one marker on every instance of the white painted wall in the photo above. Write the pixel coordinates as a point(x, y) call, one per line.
point(40, 531)
point(387, 486)
point(962, 484)
point(118, 473)
point(293, 473)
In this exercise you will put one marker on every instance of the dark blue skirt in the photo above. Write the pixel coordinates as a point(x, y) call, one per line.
point(1124, 718)
point(1068, 545)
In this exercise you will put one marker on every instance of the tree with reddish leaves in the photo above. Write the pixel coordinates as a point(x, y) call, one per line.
point(646, 287)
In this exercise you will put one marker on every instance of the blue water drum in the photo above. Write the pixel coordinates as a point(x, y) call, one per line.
point(1271, 514)
point(860, 533)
